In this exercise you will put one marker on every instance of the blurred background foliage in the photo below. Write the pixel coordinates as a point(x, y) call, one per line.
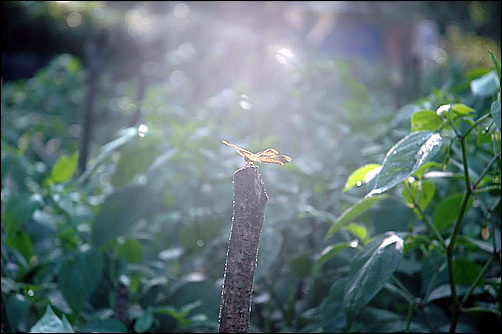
point(332, 84)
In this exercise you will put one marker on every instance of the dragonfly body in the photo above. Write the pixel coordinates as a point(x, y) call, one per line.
point(269, 155)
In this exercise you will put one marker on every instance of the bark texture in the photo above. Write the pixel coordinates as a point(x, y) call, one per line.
point(250, 198)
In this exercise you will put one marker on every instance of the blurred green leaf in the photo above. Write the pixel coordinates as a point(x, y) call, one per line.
point(144, 322)
point(135, 157)
point(326, 254)
point(105, 326)
point(462, 109)
point(353, 212)
point(419, 173)
point(17, 311)
point(131, 250)
point(447, 211)
point(358, 230)
point(125, 136)
point(465, 270)
point(496, 63)
point(22, 242)
point(425, 120)
point(50, 323)
point(421, 192)
point(18, 210)
point(406, 157)
point(486, 86)
point(332, 309)
point(64, 168)
point(301, 265)
point(358, 177)
point(444, 291)
point(120, 210)
point(372, 277)
point(79, 276)
point(495, 111)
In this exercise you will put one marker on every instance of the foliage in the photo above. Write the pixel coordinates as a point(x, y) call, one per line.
point(383, 221)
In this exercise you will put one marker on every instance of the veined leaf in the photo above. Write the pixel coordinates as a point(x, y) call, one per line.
point(404, 158)
point(373, 275)
point(64, 168)
point(361, 176)
point(353, 212)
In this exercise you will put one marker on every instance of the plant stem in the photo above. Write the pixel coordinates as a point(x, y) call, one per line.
point(485, 189)
point(426, 218)
point(408, 317)
point(487, 168)
point(475, 283)
point(456, 228)
point(479, 120)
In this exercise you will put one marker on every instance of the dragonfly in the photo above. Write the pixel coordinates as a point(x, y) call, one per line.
point(269, 155)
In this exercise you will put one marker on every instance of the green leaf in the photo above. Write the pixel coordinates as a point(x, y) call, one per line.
point(373, 275)
point(64, 168)
point(106, 326)
point(131, 250)
point(135, 158)
point(425, 120)
point(50, 323)
point(419, 173)
point(332, 309)
point(406, 157)
point(144, 322)
point(120, 210)
point(447, 211)
point(444, 291)
point(361, 176)
point(358, 231)
point(301, 265)
point(22, 242)
point(462, 109)
point(496, 63)
point(17, 310)
point(126, 135)
point(18, 210)
point(420, 192)
point(495, 111)
point(326, 254)
point(353, 212)
point(79, 276)
point(486, 86)
point(465, 271)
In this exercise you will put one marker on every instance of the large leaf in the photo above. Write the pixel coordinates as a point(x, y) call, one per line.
point(447, 210)
point(419, 192)
point(17, 310)
point(120, 210)
point(50, 323)
point(353, 212)
point(486, 86)
point(18, 210)
point(332, 312)
point(404, 158)
point(79, 276)
point(496, 63)
point(373, 275)
point(361, 176)
point(126, 135)
point(425, 120)
point(64, 168)
point(495, 111)
point(105, 326)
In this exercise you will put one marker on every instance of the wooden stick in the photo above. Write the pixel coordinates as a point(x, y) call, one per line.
point(250, 198)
